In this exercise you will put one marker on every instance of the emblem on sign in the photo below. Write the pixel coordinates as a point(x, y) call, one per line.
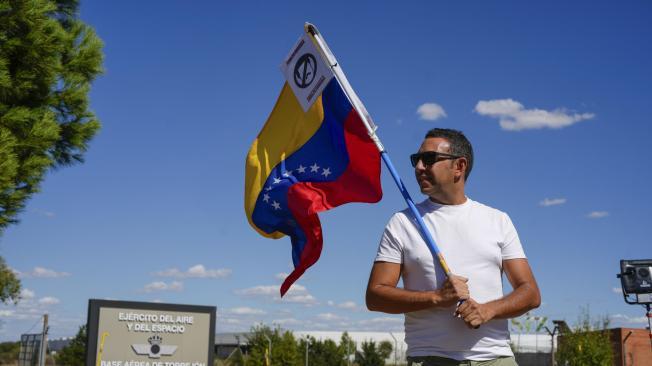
point(155, 348)
point(305, 70)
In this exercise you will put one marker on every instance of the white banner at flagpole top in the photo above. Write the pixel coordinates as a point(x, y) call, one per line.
point(306, 72)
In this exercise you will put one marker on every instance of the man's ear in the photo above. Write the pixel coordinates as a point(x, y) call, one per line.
point(461, 165)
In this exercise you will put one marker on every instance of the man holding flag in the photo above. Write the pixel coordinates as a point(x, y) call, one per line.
point(479, 243)
point(319, 149)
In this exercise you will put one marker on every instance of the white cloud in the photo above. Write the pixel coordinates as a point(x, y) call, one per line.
point(40, 272)
point(287, 321)
point(245, 311)
point(329, 317)
point(381, 320)
point(430, 111)
point(48, 300)
point(260, 291)
point(281, 276)
point(617, 290)
point(350, 305)
point(347, 305)
point(629, 319)
point(163, 286)
point(382, 323)
point(514, 117)
point(597, 214)
point(552, 202)
point(296, 294)
point(47, 214)
point(306, 299)
point(27, 294)
point(196, 271)
point(28, 307)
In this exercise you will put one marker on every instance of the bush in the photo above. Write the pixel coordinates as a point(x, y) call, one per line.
point(9, 353)
point(587, 344)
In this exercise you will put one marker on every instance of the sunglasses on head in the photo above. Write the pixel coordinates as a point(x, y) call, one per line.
point(430, 157)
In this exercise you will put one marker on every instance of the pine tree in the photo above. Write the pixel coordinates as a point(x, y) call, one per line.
point(74, 354)
point(371, 355)
point(48, 59)
point(347, 346)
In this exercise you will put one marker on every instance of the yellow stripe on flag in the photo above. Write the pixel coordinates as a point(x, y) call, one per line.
point(286, 130)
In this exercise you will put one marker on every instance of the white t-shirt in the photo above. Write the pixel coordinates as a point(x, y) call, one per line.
point(474, 239)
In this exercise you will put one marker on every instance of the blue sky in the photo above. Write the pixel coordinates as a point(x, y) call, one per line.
point(156, 212)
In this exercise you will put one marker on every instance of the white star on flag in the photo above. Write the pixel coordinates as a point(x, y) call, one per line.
point(277, 181)
point(314, 168)
point(265, 197)
point(277, 206)
point(268, 188)
point(301, 169)
point(287, 174)
point(326, 172)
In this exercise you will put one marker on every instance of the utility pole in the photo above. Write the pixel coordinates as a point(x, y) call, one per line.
point(44, 341)
point(559, 326)
point(269, 343)
point(395, 349)
point(552, 343)
point(307, 350)
point(625, 348)
point(348, 350)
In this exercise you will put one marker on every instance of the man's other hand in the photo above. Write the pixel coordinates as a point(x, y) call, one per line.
point(475, 314)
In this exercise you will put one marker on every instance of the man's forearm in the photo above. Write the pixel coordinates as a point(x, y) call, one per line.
point(393, 300)
point(523, 299)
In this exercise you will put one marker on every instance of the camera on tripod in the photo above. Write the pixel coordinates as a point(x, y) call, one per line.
point(636, 280)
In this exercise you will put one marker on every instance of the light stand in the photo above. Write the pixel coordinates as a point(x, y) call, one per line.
point(636, 280)
point(562, 327)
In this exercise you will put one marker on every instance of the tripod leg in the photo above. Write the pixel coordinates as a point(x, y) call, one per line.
point(649, 322)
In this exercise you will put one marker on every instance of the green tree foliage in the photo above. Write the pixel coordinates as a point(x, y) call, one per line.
point(288, 351)
point(74, 354)
point(347, 346)
point(9, 284)
point(9, 353)
point(284, 347)
point(324, 353)
point(587, 345)
point(372, 355)
point(385, 349)
point(48, 59)
point(528, 323)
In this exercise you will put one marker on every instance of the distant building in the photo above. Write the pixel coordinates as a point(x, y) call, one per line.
point(227, 343)
point(55, 345)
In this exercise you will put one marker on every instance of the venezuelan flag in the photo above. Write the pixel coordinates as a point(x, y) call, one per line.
point(303, 163)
